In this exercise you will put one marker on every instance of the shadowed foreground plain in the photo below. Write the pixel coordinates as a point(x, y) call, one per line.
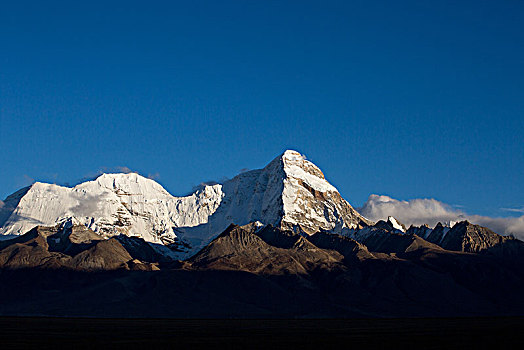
point(464, 333)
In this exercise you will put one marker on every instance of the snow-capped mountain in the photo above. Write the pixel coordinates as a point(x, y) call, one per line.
point(112, 204)
point(290, 193)
point(396, 224)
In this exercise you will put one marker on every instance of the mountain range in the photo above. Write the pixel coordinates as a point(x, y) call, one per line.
point(290, 193)
point(275, 242)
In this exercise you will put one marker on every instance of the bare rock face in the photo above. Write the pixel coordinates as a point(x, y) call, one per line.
point(105, 255)
point(438, 234)
point(421, 231)
point(384, 237)
point(349, 248)
point(29, 251)
point(269, 251)
point(69, 239)
point(77, 248)
point(467, 237)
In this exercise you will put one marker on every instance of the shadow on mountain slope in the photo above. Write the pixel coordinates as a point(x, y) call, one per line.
point(251, 272)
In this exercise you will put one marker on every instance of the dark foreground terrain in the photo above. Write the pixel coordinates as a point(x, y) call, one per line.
point(269, 273)
point(263, 289)
point(425, 333)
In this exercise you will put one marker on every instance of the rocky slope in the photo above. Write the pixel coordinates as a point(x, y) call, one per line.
point(76, 248)
point(268, 251)
point(252, 271)
point(467, 237)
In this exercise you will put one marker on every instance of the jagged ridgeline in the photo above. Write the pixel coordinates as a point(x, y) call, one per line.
point(290, 193)
point(274, 242)
point(259, 271)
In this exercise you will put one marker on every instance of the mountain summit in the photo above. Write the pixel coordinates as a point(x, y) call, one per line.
point(274, 242)
point(290, 193)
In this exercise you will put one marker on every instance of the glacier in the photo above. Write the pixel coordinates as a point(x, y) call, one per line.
point(290, 192)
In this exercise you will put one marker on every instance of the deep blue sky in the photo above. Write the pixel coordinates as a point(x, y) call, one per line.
point(409, 99)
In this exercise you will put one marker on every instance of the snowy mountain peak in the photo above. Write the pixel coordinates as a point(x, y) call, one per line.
point(291, 153)
point(310, 202)
point(296, 166)
point(290, 192)
point(130, 183)
point(292, 164)
point(396, 224)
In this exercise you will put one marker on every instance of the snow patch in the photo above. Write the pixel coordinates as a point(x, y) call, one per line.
point(396, 225)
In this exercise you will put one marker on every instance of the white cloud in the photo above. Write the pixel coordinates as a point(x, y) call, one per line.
point(514, 210)
point(88, 205)
point(153, 176)
point(505, 226)
point(124, 169)
point(414, 212)
point(431, 211)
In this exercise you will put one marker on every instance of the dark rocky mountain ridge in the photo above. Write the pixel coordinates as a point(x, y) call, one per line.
point(73, 248)
point(261, 271)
